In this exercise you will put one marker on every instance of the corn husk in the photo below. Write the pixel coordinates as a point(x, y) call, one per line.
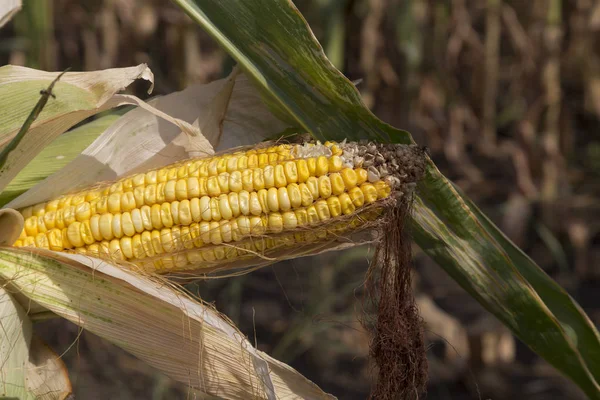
point(185, 339)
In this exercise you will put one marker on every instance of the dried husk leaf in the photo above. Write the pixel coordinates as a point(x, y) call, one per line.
point(15, 335)
point(47, 377)
point(8, 8)
point(78, 95)
point(228, 112)
point(185, 339)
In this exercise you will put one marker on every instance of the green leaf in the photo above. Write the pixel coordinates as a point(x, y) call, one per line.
point(271, 40)
point(55, 156)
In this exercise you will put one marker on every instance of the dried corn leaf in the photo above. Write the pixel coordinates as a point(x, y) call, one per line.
point(8, 8)
point(183, 338)
point(78, 95)
point(229, 112)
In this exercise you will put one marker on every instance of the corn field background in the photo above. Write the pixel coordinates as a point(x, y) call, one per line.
point(506, 95)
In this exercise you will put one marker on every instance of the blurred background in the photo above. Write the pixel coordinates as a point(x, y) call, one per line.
point(505, 93)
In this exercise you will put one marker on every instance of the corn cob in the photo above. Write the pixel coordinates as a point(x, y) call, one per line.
point(232, 206)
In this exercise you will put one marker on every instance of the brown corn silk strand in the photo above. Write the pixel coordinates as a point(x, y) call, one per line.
point(397, 344)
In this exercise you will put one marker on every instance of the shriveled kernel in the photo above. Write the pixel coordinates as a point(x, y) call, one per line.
point(301, 216)
point(205, 208)
point(29, 241)
point(247, 183)
point(139, 180)
point(350, 177)
point(86, 233)
point(273, 199)
point(269, 176)
point(126, 247)
point(357, 196)
point(116, 226)
point(232, 164)
point(193, 187)
point(235, 199)
point(127, 201)
point(223, 180)
point(257, 226)
point(335, 208)
point(224, 207)
point(383, 189)
point(235, 181)
point(212, 186)
point(215, 233)
point(138, 195)
point(335, 164)
point(284, 199)
point(116, 187)
point(323, 210)
point(225, 228)
point(151, 177)
point(150, 195)
point(146, 214)
point(127, 224)
point(156, 217)
point(303, 171)
point(252, 160)
point(50, 219)
point(243, 225)
point(165, 215)
point(114, 203)
point(313, 215)
point(175, 212)
point(115, 249)
point(74, 234)
point(214, 209)
point(221, 165)
point(263, 159)
point(324, 187)
point(242, 163)
point(337, 184)
point(305, 195)
point(137, 247)
point(195, 210)
point(69, 215)
point(41, 241)
point(55, 241)
point(291, 172)
point(181, 189)
point(185, 214)
point(346, 204)
point(258, 180)
point(361, 176)
point(275, 222)
point(322, 167)
point(166, 240)
point(31, 226)
point(313, 185)
point(290, 221)
point(369, 192)
point(60, 218)
point(294, 195)
point(254, 205)
point(312, 166)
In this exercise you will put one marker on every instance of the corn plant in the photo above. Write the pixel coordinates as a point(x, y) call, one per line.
point(87, 239)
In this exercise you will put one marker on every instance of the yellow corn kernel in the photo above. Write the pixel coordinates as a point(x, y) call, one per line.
point(324, 187)
point(369, 192)
point(322, 167)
